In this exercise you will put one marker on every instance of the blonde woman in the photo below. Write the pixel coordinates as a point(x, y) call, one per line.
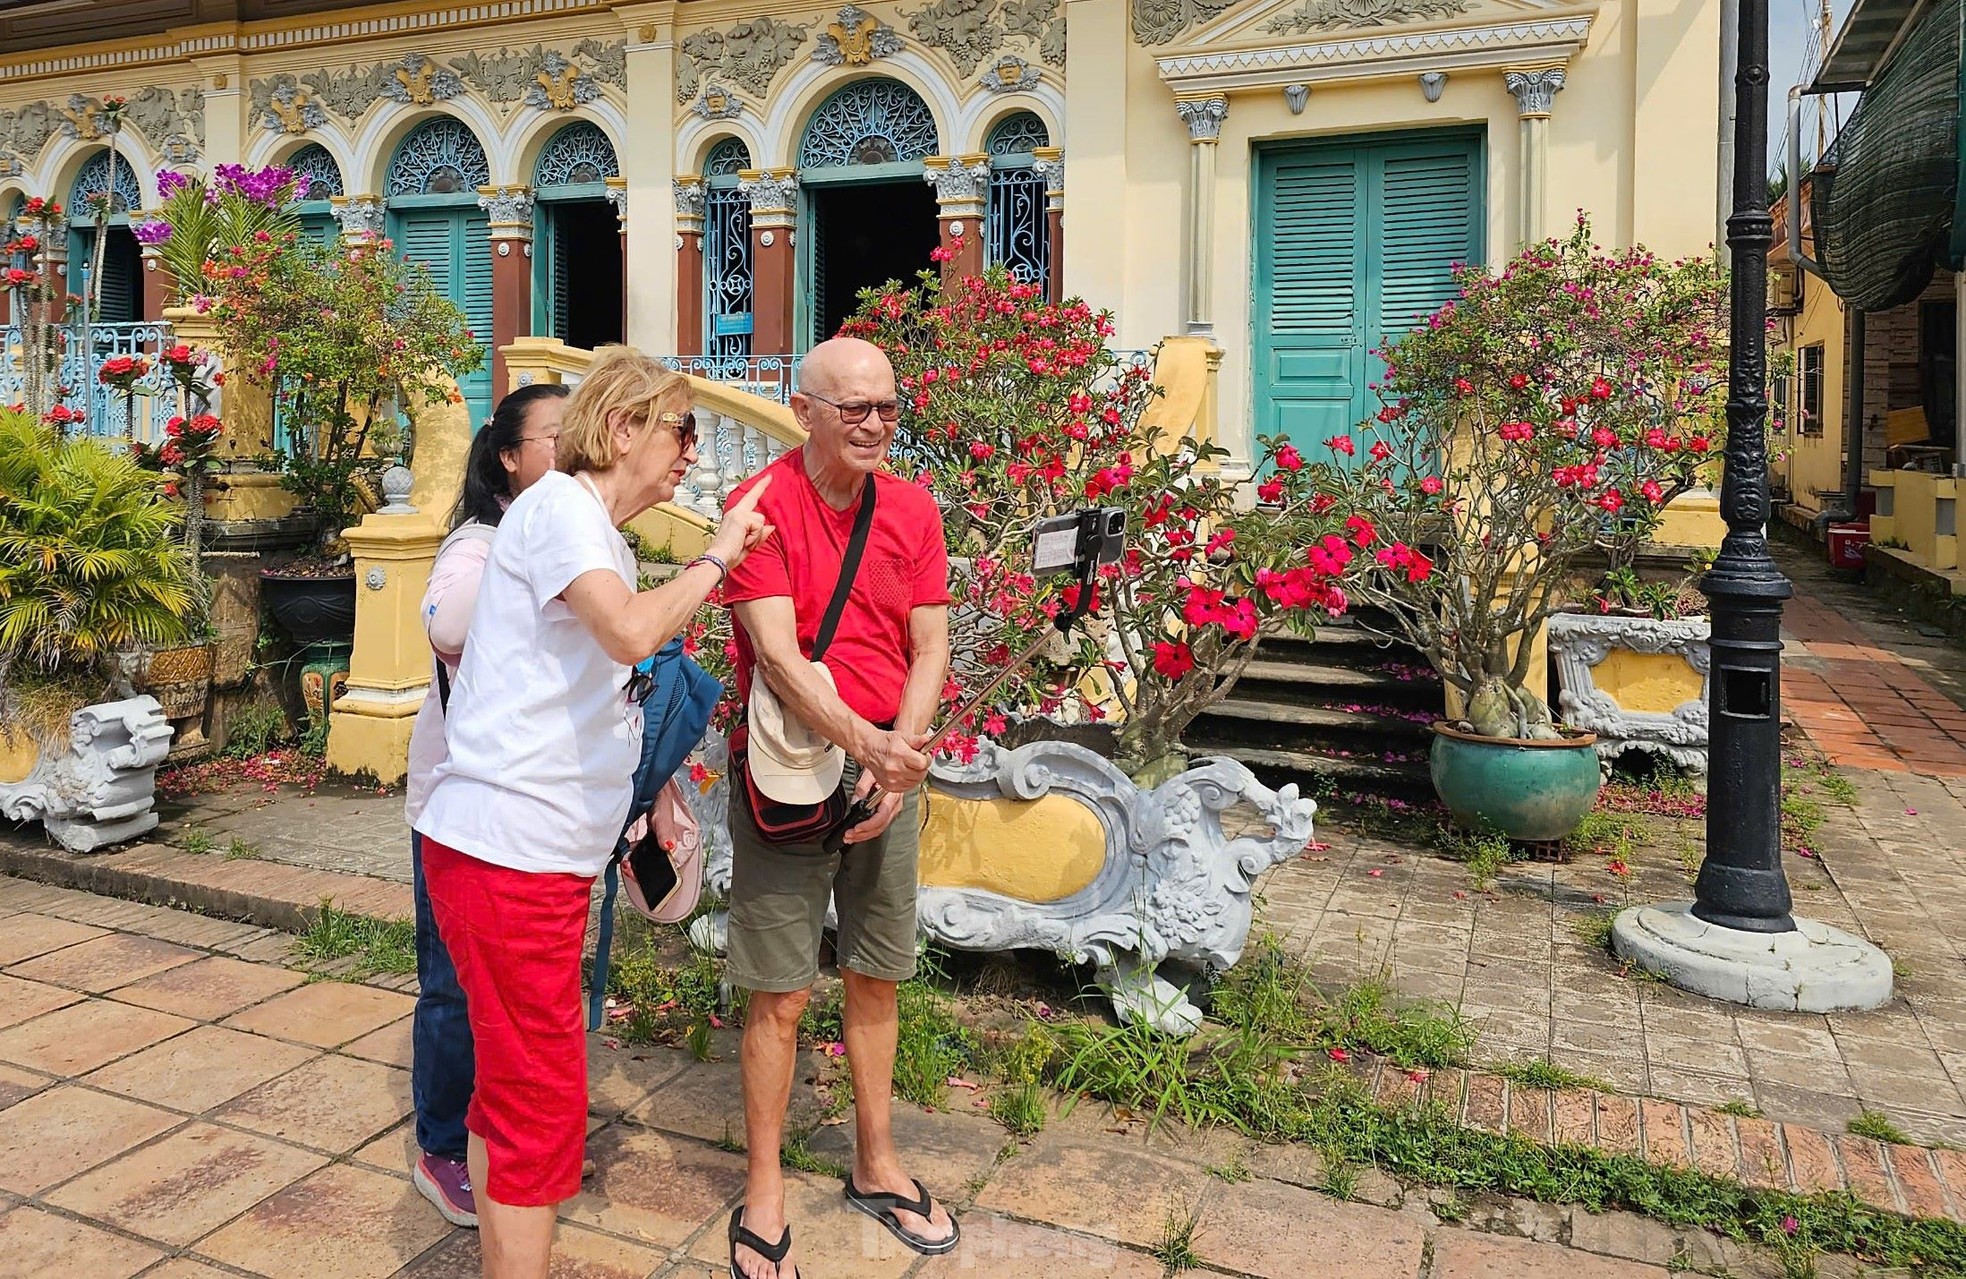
point(544, 737)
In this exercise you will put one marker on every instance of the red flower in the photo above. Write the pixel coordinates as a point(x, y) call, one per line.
point(1270, 491)
point(1381, 451)
point(1338, 1055)
point(1360, 529)
point(1431, 486)
point(1604, 437)
point(1342, 444)
point(1289, 459)
point(1173, 660)
point(1401, 556)
point(1600, 389)
point(1653, 493)
point(1518, 380)
point(939, 254)
point(1612, 500)
point(1699, 444)
point(1463, 387)
point(1389, 414)
point(1514, 431)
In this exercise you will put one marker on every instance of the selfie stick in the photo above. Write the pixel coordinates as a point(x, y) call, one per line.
point(863, 808)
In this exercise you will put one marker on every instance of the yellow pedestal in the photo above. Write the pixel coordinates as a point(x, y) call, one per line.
point(251, 495)
point(245, 406)
point(389, 669)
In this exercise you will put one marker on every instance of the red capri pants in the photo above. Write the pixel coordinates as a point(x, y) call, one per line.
point(515, 938)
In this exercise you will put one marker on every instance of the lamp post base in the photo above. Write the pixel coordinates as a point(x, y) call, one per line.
point(1813, 969)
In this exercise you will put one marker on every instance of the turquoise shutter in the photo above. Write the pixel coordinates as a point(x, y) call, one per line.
point(1428, 212)
point(561, 283)
point(1310, 212)
point(475, 251)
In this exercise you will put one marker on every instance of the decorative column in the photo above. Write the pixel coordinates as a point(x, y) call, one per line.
point(648, 162)
point(510, 211)
point(1204, 117)
point(156, 286)
point(618, 197)
point(1535, 90)
point(1051, 167)
point(361, 217)
point(389, 666)
point(773, 194)
point(689, 265)
point(962, 186)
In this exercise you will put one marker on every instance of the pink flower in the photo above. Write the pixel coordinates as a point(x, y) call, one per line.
point(1270, 491)
point(1338, 1054)
point(1342, 444)
point(1289, 459)
point(1431, 486)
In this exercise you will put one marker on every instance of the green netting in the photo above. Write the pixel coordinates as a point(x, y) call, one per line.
point(1882, 199)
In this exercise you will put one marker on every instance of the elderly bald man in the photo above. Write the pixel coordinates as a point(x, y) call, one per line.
point(873, 697)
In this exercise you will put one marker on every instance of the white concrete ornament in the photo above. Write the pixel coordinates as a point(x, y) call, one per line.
point(99, 788)
point(1579, 641)
point(1173, 885)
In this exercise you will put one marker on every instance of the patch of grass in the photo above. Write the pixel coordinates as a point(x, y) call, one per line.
point(797, 1155)
point(1020, 1108)
point(1176, 1249)
point(240, 851)
point(1485, 855)
point(1594, 928)
point(1413, 1034)
point(665, 999)
point(1739, 1109)
point(194, 840)
point(1546, 1074)
point(729, 1143)
point(1601, 831)
point(823, 1021)
point(932, 1045)
point(1877, 1127)
point(697, 1040)
point(1340, 1176)
point(1234, 1172)
point(1266, 992)
point(375, 946)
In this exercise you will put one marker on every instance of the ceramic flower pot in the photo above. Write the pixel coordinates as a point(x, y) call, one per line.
point(316, 609)
point(1525, 790)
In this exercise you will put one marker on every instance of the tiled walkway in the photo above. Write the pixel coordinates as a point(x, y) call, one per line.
point(1871, 691)
point(175, 1105)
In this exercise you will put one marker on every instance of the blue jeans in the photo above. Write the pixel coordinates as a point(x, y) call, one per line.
point(442, 1063)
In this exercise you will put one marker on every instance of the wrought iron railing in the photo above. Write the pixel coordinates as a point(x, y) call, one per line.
point(772, 376)
point(110, 412)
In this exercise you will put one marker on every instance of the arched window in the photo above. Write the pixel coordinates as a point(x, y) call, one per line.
point(438, 157)
point(869, 122)
point(126, 194)
point(319, 177)
point(727, 316)
point(726, 160)
point(578, 155)
point(1016, 233)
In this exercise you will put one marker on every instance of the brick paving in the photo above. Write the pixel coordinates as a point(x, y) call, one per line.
point(218, 1116)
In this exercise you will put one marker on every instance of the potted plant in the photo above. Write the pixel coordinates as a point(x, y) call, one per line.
point(1521, 427)
point(90, 569)
point(343, 339)
point(1014, 409)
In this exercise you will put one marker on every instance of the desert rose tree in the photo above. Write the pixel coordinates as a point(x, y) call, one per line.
point(1014, 409)
point(1556, 408)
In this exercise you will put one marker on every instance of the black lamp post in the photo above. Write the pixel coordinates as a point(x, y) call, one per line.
point(1741, 884)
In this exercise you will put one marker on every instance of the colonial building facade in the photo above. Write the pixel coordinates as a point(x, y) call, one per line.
point(1289, 180)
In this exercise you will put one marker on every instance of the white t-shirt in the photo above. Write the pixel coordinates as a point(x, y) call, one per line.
point(543, 742)
point(460, 563)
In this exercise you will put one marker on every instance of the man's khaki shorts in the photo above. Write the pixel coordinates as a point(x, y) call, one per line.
point(778, 895)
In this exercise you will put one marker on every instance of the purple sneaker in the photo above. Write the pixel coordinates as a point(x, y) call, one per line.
point(447, 1184)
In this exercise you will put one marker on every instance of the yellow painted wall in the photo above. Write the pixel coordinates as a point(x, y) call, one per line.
point(1815, 461)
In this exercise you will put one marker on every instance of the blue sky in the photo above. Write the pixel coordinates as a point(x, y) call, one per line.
point(1790, 59)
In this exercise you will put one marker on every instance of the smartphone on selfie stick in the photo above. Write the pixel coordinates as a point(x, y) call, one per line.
point(1079, 543)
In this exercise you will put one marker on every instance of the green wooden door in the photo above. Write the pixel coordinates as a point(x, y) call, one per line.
point(1355, 243)
point(454, 244)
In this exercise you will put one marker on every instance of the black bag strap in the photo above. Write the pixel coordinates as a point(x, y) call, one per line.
point(849, 568)
point(443, 687)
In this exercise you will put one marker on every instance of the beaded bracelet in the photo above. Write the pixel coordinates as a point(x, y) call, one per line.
point(723, 569)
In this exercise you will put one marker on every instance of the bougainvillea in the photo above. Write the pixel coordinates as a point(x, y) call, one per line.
point(346, 339)
point(1014, 409)
point(1556, 407)
point(197, 219)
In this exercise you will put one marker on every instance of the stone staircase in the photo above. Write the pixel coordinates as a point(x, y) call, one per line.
point(1345, 712)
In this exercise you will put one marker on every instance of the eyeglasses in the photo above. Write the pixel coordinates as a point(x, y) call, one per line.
point(685, 424)
point(552, 441)
point(640, 684)
point(855, 413)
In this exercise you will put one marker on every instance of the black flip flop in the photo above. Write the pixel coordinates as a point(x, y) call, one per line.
point(772, 1252)
point(881, 1207)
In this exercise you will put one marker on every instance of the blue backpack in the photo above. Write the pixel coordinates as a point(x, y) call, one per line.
point(675, 714)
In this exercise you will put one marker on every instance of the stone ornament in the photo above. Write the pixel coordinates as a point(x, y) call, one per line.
point(1579, 641)
point(545, 79)
point(749, 55)
point(1173, 885)
point(1203, 116)
point(770, 192)
point(1160, 21)
point(82, 119)
point(617, 195)
point(1010, 74)
point(960, 183)
point(689, 198)
point(173, 119)
point(376, 580)
point(559, 85)
point(715, 104)
point(397, 482)
point(608, 61)
point(1296, 97)
point(507, 206)
point(360, 218)
point(98, 787)
point(283, 105)
point(25, 130)
point(1431, 84)
point(1352, 15)
point(856, 39)
point(418, 81)
point(1535, 91)
point(767, 238)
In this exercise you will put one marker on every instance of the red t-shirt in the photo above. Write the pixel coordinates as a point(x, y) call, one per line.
point(905, 565)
